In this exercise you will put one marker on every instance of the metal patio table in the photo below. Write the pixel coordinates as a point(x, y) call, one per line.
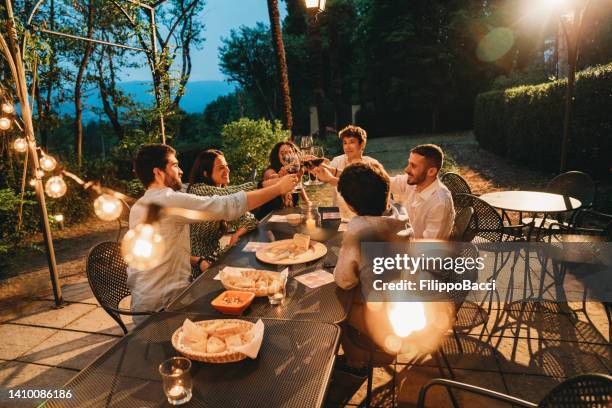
point(327, 303)
point(293, 369)
point(531, 202)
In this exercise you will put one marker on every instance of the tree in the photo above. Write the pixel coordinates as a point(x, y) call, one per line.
point(281, 63)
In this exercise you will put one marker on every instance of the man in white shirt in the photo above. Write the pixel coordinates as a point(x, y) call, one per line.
point(427, 201)
point(158, 169)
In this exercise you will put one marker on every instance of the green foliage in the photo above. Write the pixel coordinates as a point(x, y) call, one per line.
point(10, 236)
point(526, 123)
point(247, 144)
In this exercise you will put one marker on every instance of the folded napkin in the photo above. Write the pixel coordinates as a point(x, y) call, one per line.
point(278, 218)
point(252, 349)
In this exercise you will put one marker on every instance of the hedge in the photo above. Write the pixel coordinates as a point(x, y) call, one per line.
point(525, 124)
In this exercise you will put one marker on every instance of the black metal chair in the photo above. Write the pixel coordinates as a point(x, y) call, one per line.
point(461, 224)
point(486, 224)
point(582, 391)
point(253, 175)
point(572, 184)
point(107, 276)
point(456, 184)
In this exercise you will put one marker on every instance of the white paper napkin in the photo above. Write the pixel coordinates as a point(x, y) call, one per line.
point(252, 349)
point(254, 246)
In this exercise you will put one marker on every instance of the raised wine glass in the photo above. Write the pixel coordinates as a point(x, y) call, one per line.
point(317, 151)
point(291, 161)
point(306, 147)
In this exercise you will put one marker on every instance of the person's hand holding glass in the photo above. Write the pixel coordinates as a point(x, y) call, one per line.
point(292, 164)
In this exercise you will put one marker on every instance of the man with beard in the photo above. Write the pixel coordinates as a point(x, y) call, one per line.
point(428, 202)
point(158, 169)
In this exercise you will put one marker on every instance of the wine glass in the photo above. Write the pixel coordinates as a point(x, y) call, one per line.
point(292, 164)
point(306, 146)
point(317, 151)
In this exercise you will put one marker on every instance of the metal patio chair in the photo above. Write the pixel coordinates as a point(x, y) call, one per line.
point(456, 184)
point(107, 277)
point(463, 218)
point(582, 391)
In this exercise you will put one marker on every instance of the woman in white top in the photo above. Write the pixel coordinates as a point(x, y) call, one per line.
point(354, 141)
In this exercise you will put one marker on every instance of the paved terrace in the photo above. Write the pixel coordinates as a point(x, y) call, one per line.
point(523, 354)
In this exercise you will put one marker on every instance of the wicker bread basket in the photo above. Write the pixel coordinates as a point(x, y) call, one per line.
point(224, 357)
point(249, 274)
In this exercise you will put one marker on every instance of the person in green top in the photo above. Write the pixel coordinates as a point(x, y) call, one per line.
point(209, 176)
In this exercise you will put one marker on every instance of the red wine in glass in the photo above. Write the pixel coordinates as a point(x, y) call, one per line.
point(312, 163)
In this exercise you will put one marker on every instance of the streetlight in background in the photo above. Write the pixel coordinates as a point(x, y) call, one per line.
point(314, 7)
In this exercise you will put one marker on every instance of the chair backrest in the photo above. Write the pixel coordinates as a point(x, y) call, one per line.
point(253, 175)
point(485, 225)
point(107, 274)
point(462, 221)
point(456, 184)
point(574, 184)
point(582, 391)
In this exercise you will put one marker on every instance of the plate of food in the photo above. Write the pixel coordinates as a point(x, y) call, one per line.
point(300, 249)
point(218, 341)
point(261, 283)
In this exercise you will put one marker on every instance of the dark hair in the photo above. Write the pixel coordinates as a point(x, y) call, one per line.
point(432, 153)
point(204, 163)
point(275, 163)
point(150, 157)
point(354, 131)
point(365, 187)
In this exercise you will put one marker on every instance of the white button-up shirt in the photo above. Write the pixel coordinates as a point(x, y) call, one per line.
point(154, 288)
point(430, 211)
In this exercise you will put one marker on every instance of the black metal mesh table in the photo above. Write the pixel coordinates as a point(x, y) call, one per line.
point(326, 303)
point(293, 369)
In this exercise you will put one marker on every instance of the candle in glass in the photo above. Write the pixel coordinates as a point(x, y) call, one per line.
point(176, 380)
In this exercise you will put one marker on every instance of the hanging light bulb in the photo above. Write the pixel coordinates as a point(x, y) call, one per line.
point(7, 108)
point(40, 174)
point(107, 207)
point(20, 145)
point(142, 247)
point(47, 163)
point(33, 182)
point(55, 187)
point(59, 217)
point(5, 123)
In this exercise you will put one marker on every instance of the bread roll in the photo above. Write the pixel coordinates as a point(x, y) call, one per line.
point(233, 341)
point(215, 345)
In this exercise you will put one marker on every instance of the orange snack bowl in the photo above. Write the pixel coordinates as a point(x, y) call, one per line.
point(233, 302)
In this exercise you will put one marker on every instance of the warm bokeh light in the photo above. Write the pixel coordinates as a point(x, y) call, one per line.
point(495, 44)
point(142, 247)
point(319, 5)
point(406, 317)
point(59, 217)
point(5, 123)
point(107, 207)
point(7, 108)
point(20, 145)
point(47, 163)
point(33, 182)
point(55, 187)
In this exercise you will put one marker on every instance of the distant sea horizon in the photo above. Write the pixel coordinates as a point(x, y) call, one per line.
point(198, 94)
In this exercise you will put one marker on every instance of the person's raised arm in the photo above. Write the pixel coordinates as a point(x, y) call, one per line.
point(259, 197)
point(324, 174)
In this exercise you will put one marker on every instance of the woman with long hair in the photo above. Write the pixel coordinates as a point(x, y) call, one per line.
point(210, 175)
point(278, 167)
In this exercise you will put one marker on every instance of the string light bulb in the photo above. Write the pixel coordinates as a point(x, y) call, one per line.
point(59, 217)
point(142, 247)
point(20, 144)
point(107, 207)
point(33, 182)
point(7, 108)
point(5, 123)
point(47, 163)
point(55, 187)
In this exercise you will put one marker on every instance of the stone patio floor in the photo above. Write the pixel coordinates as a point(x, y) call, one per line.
point(524, 355)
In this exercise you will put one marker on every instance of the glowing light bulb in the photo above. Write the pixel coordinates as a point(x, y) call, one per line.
point(59, 217)
point(406, 317)
point(7, 108)
point(5, 123)
point(20, 145)
point(107, 207)
point(40, 174)
point(55, 187)
point(47, 163)
point(142, 247)
point(33, 182)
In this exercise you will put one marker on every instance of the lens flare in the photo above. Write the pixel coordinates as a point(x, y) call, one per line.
point(107, 207)
point(142, 247)
point(495, 44)
point(406, 317)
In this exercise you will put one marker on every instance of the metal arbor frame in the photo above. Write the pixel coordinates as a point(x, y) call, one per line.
point(151, 53)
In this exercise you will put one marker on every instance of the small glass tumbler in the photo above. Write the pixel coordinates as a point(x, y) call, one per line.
point(312, 217)
point(276, 293)
point(177, 380)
